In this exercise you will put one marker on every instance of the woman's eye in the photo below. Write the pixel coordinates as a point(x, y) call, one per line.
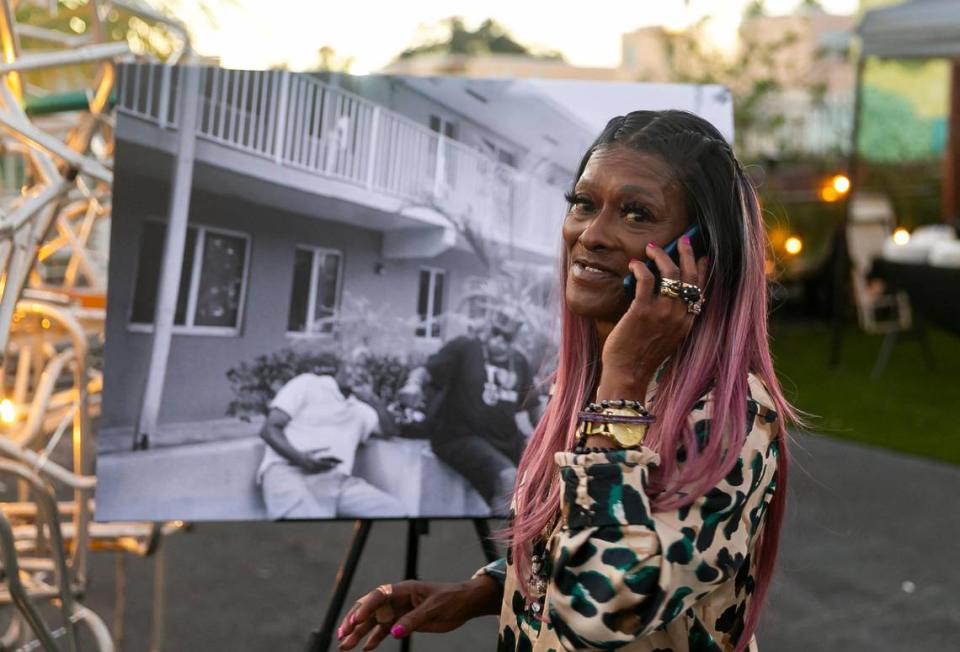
point(579, 202)
point(637, 212)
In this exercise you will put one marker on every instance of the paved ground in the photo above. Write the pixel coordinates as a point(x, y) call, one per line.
point(870, 562)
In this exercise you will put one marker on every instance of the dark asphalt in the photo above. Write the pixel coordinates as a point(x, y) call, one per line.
point(870, 562)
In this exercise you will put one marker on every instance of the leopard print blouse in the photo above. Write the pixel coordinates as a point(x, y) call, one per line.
point(624, 577)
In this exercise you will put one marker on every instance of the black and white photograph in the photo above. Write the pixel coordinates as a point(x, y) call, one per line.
point(330, 295)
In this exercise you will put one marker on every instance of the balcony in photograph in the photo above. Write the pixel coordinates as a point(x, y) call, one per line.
point(298, 142)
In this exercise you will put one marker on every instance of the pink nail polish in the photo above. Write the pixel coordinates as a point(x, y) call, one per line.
point(398, 631)
point(340, 633)
point(633, 260)
point(686, 239)
point(353, 618)
point(652, 244)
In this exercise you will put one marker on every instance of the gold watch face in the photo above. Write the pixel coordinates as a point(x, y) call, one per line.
point(628, 435)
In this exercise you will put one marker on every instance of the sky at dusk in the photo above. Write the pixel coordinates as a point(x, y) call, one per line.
point(261, 33)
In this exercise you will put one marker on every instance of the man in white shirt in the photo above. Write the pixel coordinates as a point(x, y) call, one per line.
point(312, 434)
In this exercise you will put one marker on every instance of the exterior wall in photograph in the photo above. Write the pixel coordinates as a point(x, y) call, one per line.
point(196, 387)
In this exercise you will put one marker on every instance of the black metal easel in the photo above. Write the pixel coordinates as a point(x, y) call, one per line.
point(320, 639)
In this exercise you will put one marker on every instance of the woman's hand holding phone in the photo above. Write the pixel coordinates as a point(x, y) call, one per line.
point(697, 240)
point(653, 326)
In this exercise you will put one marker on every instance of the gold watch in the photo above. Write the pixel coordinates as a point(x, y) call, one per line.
point(627, 435)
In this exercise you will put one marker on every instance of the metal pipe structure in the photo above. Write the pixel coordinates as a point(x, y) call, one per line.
point(52, 36)
point(74, 57)
point(67, 177)
point(157, 17)
point(10, 46)
point(18, 592)
point(13, 222)
point(39, 138)
point(81, 427)
point(47, 508)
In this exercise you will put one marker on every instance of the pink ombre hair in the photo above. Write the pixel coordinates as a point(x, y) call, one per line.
point(728, 341)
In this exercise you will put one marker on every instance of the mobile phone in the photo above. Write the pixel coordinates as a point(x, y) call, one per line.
point(697, 240)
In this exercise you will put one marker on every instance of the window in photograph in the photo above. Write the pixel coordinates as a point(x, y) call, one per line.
point(315, 294)
point(443, 126)
point(212, 279)
point(430, 302)
point(502, 155)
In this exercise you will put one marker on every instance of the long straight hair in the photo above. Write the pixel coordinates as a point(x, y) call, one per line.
point(728, 340)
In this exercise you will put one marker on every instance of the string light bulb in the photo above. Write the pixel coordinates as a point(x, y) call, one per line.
point(8, 413)
point(793, 245)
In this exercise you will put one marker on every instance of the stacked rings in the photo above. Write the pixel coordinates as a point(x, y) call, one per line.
point(689, 293)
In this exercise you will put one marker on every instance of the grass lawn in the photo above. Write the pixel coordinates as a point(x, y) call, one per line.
point(910, 408)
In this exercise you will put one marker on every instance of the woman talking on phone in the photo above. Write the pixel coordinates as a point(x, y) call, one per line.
point(650, 496)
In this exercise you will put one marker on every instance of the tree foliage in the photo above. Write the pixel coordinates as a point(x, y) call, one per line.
point(146, 37)
point(757, 74)
point(329, 61)
point(489, 38)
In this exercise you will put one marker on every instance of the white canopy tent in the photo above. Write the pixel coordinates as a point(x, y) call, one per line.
point(919, 29)
point(924, 29)
point(916, 29)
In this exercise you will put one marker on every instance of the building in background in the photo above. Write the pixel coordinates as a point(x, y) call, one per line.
point(811, 62)
point(502, 65)
point(812, 65)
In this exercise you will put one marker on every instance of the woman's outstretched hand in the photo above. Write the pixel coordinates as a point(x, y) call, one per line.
point(414, 606)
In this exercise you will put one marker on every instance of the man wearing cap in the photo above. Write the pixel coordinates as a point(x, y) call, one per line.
point(483, 382)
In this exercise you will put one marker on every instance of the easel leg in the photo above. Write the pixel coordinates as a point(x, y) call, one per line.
point(482, 526)
point(320, 639)
point(415, 528)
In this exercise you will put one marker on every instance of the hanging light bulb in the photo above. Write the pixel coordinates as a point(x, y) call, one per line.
point(793, 245)
point(8, 413)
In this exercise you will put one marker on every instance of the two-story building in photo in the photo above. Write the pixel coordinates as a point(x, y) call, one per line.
point(306, 190)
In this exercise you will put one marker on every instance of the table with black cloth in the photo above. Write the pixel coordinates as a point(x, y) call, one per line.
point(934, 291)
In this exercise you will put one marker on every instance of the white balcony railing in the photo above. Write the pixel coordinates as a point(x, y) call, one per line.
point(301, 122)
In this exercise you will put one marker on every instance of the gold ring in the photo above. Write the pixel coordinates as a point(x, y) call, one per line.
point(385, 615)
point(670, 287)
point(692, 295)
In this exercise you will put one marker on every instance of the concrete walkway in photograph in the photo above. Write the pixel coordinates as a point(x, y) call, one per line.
point(870, 563)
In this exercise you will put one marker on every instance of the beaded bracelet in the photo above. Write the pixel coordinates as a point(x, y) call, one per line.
point(618, 403)
point(593, 417)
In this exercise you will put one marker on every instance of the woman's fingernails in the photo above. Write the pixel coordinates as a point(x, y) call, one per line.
point(633, 260)
point(398, 631)
point(339, 633)
point(652, 245)
point(686, 239)
point(353, 618)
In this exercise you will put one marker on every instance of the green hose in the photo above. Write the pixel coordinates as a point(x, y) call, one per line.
point(61, 103)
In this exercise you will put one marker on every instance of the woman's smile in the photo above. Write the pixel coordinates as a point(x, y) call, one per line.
point(591, 275)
